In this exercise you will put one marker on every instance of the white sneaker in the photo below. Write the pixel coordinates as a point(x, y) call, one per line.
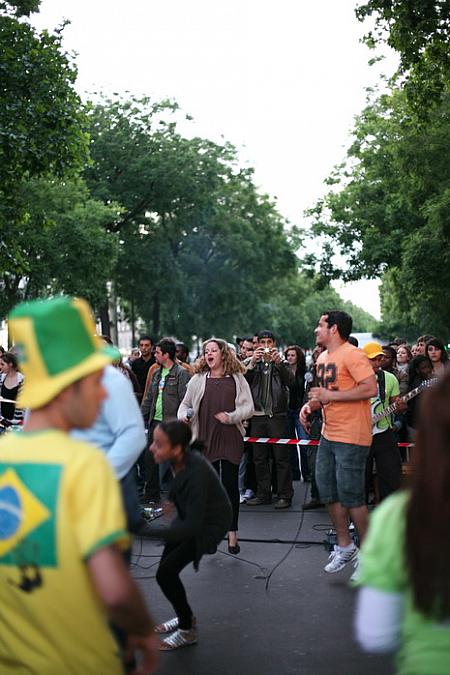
point(339, 558)
point(181, 638)
point(356, 571)
point(249, 494)
point(242, 498)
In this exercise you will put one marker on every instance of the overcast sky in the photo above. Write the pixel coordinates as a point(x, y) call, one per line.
point(282, 81)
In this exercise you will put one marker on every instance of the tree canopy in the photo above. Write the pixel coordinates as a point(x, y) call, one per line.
point(63, 244)
point(42, 133)
point(387, 212)
point(110, 200)
point(419, 31)
point(197, 237)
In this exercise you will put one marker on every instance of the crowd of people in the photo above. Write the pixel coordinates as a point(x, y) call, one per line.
point(177, 431)
point(280, 381)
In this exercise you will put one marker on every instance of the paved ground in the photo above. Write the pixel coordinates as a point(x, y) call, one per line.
point(301, 624)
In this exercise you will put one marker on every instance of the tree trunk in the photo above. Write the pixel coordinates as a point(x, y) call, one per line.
point(133, 323)
point(156, 316)
point(113, 313)
point(104, 319)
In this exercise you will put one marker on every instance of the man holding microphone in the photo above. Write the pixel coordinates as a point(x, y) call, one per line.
point(346, 384)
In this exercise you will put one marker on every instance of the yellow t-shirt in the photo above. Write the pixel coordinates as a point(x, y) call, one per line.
point(59, 503)
point(345, 421)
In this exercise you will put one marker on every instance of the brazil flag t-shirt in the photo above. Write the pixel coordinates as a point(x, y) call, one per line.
point(59, 504)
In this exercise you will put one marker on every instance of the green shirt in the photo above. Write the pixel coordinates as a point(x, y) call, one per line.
point(392, 388)
point(425, 643)
point(158, 416)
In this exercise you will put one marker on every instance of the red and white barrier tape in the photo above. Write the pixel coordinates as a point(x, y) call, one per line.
point(296, 441)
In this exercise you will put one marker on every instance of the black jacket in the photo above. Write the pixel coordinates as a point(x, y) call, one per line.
point(297, 390)
point(140, 368)
point(203, 508)
point(281, 378)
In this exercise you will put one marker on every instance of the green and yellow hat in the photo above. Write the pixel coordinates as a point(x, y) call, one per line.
point(56, 345)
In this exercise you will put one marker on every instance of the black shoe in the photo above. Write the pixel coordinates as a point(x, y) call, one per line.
point(313, 504)
point(257, 501)
point(283, 504)
point(234, 549)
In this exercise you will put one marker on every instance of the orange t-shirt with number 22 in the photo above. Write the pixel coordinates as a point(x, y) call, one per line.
point(345, 421)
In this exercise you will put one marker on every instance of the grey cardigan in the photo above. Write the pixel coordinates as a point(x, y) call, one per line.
point(244, 407)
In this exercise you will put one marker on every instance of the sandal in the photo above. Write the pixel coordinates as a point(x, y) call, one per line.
point(181, 638)
point(171, 625)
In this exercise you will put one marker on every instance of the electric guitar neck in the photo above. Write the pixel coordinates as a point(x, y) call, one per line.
point(377, 416)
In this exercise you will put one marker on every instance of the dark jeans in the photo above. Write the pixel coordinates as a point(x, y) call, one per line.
point(312, 454)
point(152, 491)
point(175, 557)
point(131, 502)
point(271, 427)
point(388, 464)
point(229, 475)
point(314, 434)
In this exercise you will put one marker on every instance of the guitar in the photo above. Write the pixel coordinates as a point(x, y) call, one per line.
point(378, 414)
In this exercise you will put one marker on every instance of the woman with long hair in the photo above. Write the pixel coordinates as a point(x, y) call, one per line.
point(436, 352)
point(420, 371)
point(217, 401)
point(297, 363)
point(10, 383)
point(404, 603)
point(203, 515)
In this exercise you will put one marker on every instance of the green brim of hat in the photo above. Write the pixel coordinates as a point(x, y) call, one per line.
point(37, 394)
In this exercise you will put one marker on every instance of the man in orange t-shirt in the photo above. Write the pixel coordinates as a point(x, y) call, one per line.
point(346, 384)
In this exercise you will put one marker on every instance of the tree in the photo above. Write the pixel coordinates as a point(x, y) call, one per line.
point(19, 7)
point(419, 31)
point(62, 244)
point(387, 211)
point(41, 120)
point(42, 125)
point(293, 311)
point(198, 240)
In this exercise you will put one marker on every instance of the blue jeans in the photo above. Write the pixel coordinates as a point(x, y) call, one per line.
point(242, 471)
point(341, 473)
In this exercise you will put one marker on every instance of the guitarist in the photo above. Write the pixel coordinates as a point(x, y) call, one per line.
point(384, 449)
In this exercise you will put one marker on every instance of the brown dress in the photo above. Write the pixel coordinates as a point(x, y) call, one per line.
point(223, 441)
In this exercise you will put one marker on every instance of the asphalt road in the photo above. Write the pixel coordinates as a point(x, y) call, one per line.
point(301, 623)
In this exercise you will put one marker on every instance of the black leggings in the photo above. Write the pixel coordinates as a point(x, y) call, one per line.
point(175, 557)
point(229, 473)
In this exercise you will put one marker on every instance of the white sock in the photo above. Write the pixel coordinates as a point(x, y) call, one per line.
point(346, 549)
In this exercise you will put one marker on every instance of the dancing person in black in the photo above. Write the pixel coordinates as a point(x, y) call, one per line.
point(203, 517)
